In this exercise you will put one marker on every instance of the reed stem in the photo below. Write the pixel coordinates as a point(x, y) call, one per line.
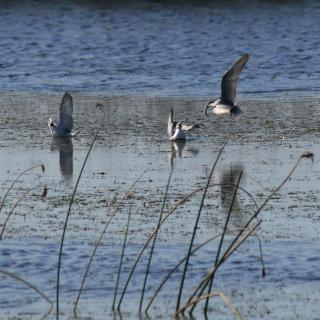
point(121, 259)
point(68, 215)
point(222, 238)
point(100, 239)
point(195, 230)
point(154, 240)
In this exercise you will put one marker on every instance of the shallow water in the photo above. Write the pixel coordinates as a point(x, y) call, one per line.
point(263, 146)
point(159, 48)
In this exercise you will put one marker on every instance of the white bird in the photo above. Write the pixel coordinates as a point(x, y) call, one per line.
point(176, 130)
point(226, 103)
point(65, 125)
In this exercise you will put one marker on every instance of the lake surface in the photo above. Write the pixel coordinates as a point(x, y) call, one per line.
point(140, 59)
point(159, 48)
point(263, 146)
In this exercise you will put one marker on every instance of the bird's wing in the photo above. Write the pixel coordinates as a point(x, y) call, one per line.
point(66, 113)
point(230, 79)
point(189, 127)
point(170, 124)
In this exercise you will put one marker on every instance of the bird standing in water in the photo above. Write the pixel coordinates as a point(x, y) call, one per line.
point(176, 130)
point(226, 103)
point(64, 127)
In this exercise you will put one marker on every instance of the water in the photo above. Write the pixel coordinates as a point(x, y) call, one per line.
point(140, 59)
point(292, 268)
point(159, 48)
point(264, 147)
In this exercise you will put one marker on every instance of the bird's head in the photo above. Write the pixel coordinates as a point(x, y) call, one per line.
point(51, 124)
point(209, 105)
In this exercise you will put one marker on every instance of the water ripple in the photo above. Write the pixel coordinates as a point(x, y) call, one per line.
point(158, 48)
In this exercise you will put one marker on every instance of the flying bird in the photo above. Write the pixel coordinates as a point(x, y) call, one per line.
point(65, 125)
point(176, 130)
point(226, 104)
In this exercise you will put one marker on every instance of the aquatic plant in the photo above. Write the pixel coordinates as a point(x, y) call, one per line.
point(43, 195)
point(195, 227)
point(206, 283)
point(16, 179)
point(238, 240)
point(122, 255)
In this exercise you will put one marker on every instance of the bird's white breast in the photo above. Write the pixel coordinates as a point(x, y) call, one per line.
point(221, 109)
point(178, 135)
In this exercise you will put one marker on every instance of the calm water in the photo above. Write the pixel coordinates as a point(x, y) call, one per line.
point(159, 48)
point(127, 55)
point(263, 146)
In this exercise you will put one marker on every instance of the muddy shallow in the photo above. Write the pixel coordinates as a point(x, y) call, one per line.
point(264, 144)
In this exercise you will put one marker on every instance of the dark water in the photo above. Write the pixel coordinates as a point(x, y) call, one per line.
point(159, 48)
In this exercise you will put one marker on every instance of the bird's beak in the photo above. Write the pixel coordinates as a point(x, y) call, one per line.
point(205, 110)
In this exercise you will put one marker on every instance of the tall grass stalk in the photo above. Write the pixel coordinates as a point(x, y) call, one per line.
point(122, 255)
point(15, 205)
point(68, 215)
point(204, 282)
point(195, 227)
point(17, 178)
point(154, 240)
point(220, 294)
point(222, 237)
point(170, 211)
point(101, 237)
point(182, 260)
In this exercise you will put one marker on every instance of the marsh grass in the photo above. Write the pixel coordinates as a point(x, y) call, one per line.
point(222, 238)
point(195, 227)
point(249, 229)
point(238, 240)
point(121, 259)
point(193, 301)
point(17, 178)
point(44, 193)
point(166, 216)
point(194, 250)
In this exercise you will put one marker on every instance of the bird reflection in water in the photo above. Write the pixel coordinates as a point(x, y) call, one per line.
point(228, 180)
point(65, 147)
point(176, 150)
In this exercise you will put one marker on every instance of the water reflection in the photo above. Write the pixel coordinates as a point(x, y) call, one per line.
point(228, 179)
point(176, 148)
point(65, 147)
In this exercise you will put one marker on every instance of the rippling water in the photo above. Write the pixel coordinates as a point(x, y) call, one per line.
point(291, 268)
point(159, 48)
